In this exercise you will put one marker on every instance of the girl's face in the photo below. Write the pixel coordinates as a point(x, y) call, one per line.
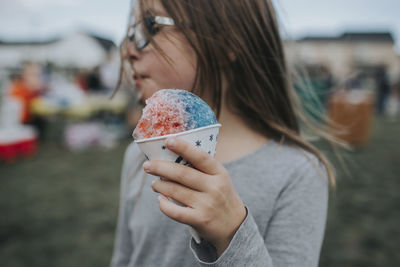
point(151, 71)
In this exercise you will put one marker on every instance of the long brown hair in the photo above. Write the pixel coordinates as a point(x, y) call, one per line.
point(239, 41)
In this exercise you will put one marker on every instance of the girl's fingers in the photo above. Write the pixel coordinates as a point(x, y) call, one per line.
point(184, 175)
point(200, 159)
point(178, 192)
point(178, 213)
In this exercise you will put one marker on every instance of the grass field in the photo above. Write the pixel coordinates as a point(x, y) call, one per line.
point(59, 208)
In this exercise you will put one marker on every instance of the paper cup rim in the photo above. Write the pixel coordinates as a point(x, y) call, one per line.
point(144, 140)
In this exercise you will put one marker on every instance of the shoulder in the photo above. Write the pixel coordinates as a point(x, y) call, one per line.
point(290, 165)
point(295, 157)
point(301, 170)
point(275, 167)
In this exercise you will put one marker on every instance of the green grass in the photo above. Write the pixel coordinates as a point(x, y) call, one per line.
point(363, 222)
point(59, 208)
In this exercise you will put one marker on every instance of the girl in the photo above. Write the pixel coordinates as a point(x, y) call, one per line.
point(262, 200)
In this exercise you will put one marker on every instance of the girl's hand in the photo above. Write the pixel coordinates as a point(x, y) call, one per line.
point(213, 207)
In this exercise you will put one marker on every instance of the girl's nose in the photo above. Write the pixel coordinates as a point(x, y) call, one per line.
point(132, 52)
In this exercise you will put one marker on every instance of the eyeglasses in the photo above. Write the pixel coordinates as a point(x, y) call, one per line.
point(137, 32)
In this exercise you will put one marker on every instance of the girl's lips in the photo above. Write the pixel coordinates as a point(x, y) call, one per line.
point(137, 82)
point(139, 79)
point(139, 76)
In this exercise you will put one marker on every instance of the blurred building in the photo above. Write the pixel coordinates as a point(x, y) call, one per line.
point(77, 50)
point(347, 53)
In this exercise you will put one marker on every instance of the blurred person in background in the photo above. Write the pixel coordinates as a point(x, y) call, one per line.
point(26, 87)
point(393, 104)
point(81, 80)
point(262, 200)
point(383, 89)
point(89, 80)
point(93, 80)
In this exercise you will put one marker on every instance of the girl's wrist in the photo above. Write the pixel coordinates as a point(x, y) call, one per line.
point(222, 244)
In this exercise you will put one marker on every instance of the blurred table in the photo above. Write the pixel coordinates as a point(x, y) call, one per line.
point(84, 108)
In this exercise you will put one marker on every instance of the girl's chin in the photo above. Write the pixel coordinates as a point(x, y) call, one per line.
point(148, 92)
point(143, 96)
point(139, 95)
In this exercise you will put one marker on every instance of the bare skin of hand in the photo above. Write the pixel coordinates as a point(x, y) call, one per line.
point(212, 206)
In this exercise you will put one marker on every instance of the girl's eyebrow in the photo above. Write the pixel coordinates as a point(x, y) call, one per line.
point(155, 12)
point(149, 11)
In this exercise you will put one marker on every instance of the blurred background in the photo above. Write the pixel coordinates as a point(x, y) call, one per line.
point(62, 138)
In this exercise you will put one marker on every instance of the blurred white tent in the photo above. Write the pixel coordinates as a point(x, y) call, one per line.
point(76, 50)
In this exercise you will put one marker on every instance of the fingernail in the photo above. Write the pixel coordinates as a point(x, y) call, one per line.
point(146, 165)
point(171, 142)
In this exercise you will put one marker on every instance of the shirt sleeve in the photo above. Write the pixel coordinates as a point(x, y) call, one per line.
point(294, 233)
point(123, 246)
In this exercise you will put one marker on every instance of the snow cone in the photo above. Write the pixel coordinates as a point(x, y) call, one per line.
point(176, 113)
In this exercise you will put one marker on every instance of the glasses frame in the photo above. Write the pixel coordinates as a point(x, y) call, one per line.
point(141, 39)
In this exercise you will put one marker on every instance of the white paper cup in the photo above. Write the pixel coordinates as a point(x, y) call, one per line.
point(205, 138)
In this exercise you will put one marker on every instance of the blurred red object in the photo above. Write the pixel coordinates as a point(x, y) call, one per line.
point(10, 152)
point(20, 145)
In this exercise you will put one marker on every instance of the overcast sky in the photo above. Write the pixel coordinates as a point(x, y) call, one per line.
point(41, 19)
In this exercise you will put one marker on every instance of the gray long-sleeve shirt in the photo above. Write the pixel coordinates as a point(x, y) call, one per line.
point(284, 189)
